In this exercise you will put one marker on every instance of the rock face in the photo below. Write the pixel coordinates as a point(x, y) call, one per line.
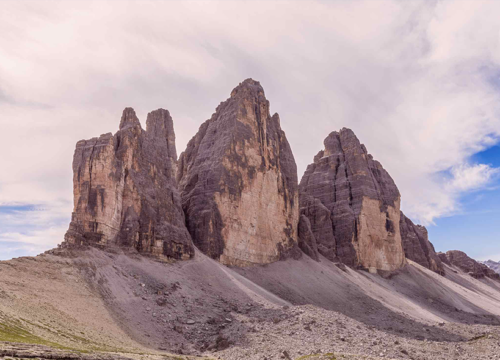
point(467, 264)
point(417, 246)
point(352, 205)
point(238, 182)
point(125, 190)
point(493, 265)
point(307, 240)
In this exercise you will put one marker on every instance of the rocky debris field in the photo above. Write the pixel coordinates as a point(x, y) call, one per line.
point(94, 304)
point(303, 331)
point(9, 351)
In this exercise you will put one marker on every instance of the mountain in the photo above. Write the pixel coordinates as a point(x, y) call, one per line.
point(125, 193)
point(238, 182)
point(493, 265)
point(202, 257)
point(465, 263)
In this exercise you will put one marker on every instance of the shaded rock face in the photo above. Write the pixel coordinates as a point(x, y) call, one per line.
point(307, 240)
point(353, 205)
point(125, 190)
point(417, 246)
point(493, 265)
point(238, 182)
point(465, 263)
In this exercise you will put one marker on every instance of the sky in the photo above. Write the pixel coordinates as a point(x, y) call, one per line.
point(417, 81)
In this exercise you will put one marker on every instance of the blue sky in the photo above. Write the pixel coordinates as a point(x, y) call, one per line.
point(417, 81)
point(476, 227)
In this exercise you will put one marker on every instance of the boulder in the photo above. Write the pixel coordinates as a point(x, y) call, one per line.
point(125, 191)
point(238, 183)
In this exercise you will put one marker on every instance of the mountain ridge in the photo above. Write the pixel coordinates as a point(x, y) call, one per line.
point(223, 253)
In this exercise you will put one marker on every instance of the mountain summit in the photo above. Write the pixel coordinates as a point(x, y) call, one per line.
point(238, 182)
point(125, 192)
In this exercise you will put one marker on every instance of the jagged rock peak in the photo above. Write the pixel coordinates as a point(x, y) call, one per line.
point(248, 88)
point(238, 182)
point(129, 118)
point(125, 192)
point(417, 246)
point(159, 123)
point(462, 261)
point(352, 204)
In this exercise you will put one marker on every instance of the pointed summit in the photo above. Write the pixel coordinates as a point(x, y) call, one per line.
point(129, 118)
point(238, 182)
point(125, 192)
point(248, 87)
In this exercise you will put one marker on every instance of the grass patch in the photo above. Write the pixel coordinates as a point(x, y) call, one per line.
point(327, 356)
point(13, 331)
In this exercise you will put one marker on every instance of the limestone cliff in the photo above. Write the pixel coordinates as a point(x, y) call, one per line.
point(417, 246)
point(125, 189)
point(238, 182)
point(352, 205)
point(462, 261)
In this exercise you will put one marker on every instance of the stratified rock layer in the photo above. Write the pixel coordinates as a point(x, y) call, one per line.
point(417, 246)
point(353, 205)
point(125, 190)
point(238, 182)
point(462, 261)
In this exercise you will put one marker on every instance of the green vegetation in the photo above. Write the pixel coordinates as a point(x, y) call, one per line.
point(328, 356)
point(14, 332)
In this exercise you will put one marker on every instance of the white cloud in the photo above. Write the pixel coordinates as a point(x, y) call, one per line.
point(470, 177)
point(417, 81)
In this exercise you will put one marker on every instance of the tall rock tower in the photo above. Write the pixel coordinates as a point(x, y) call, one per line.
point(352, 205)
point(125, 192)
point(238, 183)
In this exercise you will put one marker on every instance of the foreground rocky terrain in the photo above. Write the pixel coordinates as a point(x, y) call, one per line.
point(124, 304)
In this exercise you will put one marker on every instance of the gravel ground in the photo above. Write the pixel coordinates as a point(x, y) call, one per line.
point(109, 301)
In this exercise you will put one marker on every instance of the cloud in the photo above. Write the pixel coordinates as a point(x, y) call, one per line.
point(470, 177)
point(417, 81)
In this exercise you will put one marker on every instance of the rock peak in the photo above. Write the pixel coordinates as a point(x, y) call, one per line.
point(352, 205)
point(125, 193)
point(237, 164)
point(129, 118)
point(159, 124)
point(248, 87)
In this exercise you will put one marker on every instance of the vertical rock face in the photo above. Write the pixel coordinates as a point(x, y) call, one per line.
point(238, 182)
point(125, 190)
point(417, 246)
point(353, 205)
point(307, 240)
point(465, 263)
